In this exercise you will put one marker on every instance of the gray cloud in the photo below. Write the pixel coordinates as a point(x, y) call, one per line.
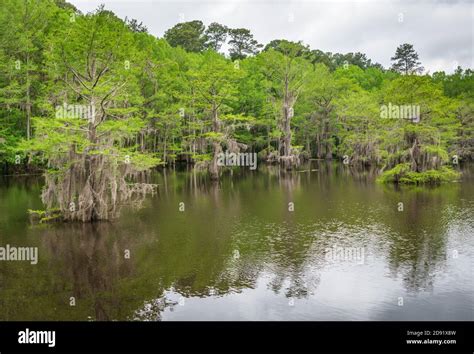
point(441, 31)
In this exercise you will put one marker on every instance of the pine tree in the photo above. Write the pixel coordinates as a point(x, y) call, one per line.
point(406, 60)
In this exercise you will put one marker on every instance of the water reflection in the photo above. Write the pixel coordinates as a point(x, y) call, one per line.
point(237, 251)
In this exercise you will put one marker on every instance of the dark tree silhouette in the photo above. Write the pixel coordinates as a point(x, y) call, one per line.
point(188, 35)
point(242, 43)
point(216, 35)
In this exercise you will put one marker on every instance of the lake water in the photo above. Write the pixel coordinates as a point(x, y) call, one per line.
point(328, 243)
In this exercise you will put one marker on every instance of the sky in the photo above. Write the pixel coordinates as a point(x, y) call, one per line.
point(441, 31)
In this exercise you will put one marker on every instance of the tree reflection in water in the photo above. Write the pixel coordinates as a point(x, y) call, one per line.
point(237, 238)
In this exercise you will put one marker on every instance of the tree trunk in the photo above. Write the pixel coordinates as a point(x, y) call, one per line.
point(216, 147)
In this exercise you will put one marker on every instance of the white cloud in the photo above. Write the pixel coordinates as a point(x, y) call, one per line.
point(441, 31)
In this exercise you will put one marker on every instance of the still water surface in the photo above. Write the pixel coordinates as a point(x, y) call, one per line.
point(236, 252)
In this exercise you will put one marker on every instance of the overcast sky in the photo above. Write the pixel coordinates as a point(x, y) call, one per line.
point(442, 32)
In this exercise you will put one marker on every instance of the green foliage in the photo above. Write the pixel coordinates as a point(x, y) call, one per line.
point(406, 60)
point(402, 174)
point(242, 44)
point(173, 99)
point(216, 35)
point(188, 35)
